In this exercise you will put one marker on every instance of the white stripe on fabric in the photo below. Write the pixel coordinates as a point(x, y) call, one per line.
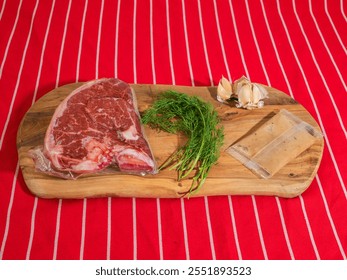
point(221, 39)
point(333, 26)
point(210, 233)
point(32, 229)
point(63, 43)
point(57, 230)
point(185, 232)
point(8, 215)
point(19, 73)
point(83, 228)
point(308, 225)
point(116, 42)
point(233, 223)
point(238, 39)
point(319, 71)
point(2, 9)
point(109, 227)
point(256, 44)
point(326, 46)
point(338, 241)
point(33, 215)
point(10, 40)
point(160, 233)
point(284, 227)
point(342, 10)
point(134, 229)
point(99, 38)
point(151, 40)
point(204, 44)
point(134, 42)
point(256, 214)
point(313, 102)
point(169, 41)
point(81, 40)
point(43, 53)
point(187, 43)
point(275, 48)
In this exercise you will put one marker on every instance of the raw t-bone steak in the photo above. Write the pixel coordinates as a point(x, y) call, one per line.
point(95, 126)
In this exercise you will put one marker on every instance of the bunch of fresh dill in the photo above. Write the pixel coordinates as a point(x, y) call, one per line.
point(175, 112)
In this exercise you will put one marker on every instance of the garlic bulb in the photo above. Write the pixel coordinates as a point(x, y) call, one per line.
point(249, 95)
point(224, 90)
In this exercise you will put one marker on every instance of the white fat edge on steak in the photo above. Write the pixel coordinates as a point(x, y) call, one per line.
point(135, 154)
point(54, 154)
point(143, 132)
point(85, 165)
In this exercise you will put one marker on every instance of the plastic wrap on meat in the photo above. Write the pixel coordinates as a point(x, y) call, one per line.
point(96, 126)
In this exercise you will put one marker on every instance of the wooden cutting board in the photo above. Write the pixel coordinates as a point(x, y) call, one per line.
point(228, 177)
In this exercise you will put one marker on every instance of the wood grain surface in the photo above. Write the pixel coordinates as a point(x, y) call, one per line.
point(227, 177)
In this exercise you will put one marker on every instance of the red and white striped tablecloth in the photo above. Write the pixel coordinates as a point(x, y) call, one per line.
point(296, 46)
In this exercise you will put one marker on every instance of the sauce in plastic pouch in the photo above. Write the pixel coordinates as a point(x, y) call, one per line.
point(275, 143)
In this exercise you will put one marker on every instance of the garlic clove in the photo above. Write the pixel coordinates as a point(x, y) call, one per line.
point(238, 84)
point(222, 94)
point(223, 90)
point(244, 95)
point(259, 92)
point(256, 95)
point(226, 84)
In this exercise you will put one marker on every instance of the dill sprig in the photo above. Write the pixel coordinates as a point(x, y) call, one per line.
point(175, 112)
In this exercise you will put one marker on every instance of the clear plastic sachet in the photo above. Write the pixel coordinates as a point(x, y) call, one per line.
point(275, 143)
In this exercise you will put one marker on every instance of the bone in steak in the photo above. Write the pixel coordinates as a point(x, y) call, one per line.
point(95, 126)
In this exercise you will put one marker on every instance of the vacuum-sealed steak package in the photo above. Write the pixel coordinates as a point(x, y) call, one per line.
point(95, 126)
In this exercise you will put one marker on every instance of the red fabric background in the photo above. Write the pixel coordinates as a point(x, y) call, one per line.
point(296, 46)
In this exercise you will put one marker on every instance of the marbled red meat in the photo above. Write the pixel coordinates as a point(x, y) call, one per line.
point(95, 126)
